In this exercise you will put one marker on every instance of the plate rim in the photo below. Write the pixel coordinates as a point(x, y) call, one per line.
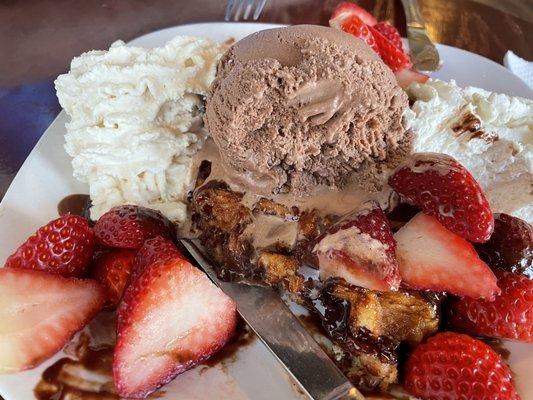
point(45, 135)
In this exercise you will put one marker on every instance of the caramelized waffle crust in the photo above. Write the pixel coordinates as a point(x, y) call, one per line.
point(366, 327)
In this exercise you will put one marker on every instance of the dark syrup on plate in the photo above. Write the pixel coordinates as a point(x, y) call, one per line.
point(77, 204)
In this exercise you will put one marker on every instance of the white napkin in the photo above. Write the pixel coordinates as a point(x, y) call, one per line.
point(520, 67)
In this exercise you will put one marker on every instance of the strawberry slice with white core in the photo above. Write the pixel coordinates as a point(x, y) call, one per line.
point(360, 249)
point(432, 257)
point(39, 314)
point(443, 188)
point(347, 9)
point(171, 318)
point(405, 77)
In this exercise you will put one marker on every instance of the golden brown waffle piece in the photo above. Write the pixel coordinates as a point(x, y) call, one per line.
point(365, 326)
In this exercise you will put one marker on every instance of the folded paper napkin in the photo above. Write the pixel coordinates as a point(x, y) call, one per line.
point(520, 67)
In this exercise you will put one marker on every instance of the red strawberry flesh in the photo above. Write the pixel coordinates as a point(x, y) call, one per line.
point(352, 24)
point(349, 8)
point(361, 249)
point(64, 246)
point(129, 226)
point(112, 269)
point(171, 318)
point(443, 188)
point(395, 58)
point(432, 257)
point(39, 314)
point(508, 316)
point(510, 247)
point(454, 366)
point(390, 32)
point(155, 249)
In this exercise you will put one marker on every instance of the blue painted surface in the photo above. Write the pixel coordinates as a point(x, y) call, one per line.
point(25, 113)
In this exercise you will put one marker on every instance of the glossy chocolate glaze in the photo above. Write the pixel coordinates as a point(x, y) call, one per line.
point(334, 314)
point(69, 378)
point(86, 371)
point(78, 204)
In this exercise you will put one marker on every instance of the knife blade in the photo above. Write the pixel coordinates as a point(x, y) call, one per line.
point(283, 334)
point(423, 51)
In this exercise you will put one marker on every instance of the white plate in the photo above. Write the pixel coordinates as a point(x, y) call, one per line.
point(46, 177)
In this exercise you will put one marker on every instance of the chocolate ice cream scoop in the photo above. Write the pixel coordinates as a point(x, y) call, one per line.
point(304, 105)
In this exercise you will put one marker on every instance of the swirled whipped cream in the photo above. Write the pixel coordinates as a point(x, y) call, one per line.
point(490, 134)
point(136, 121)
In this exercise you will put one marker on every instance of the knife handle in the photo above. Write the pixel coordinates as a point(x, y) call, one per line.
point(413, 15)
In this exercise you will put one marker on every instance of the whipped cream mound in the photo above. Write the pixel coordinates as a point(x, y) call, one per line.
point(490, 134)
point(136, 121)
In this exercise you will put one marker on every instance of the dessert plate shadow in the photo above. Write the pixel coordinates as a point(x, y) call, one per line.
point(250, 372)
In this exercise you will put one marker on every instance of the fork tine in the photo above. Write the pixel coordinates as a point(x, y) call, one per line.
point(238, 10)
point(249, 5)
point(229, 9)
point(259, 9)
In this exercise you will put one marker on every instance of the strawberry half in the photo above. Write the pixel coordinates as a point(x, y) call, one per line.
point(349, 9)
point(351, 23)
point(431, 257)
point(391, 33)
point(129, 226)
point(455, 366)
point(442, 187)
point(391, 55)
point(508, 316)
point(510, 246)
point(171, 318)
point(64, 246)
point(405, 77)
point(112, 269)
point(361, 249)
point(39, 314)
point(155, 249)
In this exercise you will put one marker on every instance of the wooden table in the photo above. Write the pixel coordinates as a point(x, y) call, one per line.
point(38, 38)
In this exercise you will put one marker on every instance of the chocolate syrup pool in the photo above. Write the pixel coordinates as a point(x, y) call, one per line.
point(86, 371)
point(77, 204)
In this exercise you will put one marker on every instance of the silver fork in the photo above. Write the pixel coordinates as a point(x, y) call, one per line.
point(237, 7)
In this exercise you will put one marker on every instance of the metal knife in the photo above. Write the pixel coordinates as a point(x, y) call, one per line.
point(277, 327)
point(423, 52)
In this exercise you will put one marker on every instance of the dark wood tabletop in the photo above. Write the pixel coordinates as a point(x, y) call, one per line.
point(38, 38)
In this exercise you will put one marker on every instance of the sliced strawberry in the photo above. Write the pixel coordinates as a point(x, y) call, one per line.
point(405, 77)
point(350, 23)
point(39, 314)
point(155, 249)
point(64, 246)
point(510, 247)
point(348, 8)
point(434, 258)
point(391, 55)
point(508, 316)
point(361, 249)
point(171, 318)
point(112, 269)
point(129, 226)
point(391, 33)
point(455, 366)
point(442, 187)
